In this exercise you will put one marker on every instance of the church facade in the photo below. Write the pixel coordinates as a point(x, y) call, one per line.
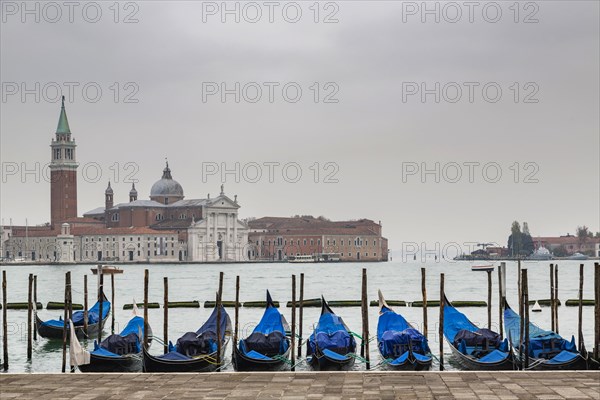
point(165, 228)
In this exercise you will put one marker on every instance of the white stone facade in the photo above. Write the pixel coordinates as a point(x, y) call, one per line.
point(219, 236)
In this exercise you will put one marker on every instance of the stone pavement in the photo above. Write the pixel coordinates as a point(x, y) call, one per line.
point(305, 385)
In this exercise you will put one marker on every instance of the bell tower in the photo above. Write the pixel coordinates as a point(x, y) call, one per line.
point(63, 172)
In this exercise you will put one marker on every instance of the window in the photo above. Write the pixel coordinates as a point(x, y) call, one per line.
point(374, 243)
point(167, 201)
point(374, 254)
point(305, 242)
point(312, 242)
point(327, 242)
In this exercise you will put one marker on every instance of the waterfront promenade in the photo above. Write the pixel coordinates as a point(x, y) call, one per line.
point(305, 385)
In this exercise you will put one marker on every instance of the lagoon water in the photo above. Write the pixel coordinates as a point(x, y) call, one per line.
point(337, 281)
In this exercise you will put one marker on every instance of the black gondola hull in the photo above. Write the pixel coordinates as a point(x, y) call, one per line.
point(324, 363)
point(469, 363)
point(129, 363)
point(578, 363)
point(51, 332)
point(205, 363)
point(244, 363)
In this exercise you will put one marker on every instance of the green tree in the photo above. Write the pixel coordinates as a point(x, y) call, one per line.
point(560, 251)
point(515, 240)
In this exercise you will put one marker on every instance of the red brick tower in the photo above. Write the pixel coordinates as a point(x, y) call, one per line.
point(63, 172)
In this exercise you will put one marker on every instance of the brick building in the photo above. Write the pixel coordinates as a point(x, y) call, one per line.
point(278, 238)
point(572, 244)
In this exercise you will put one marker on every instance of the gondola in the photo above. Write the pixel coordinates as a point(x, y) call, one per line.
point(547, 350)
point(120, 352)
point(330, 347)
point(474, 348)
point(401, 346)
point(53, 328)
point(267, 348)
point(194, 351)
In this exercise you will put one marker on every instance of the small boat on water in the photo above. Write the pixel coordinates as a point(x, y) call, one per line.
point(267, 348)
point(536, 307)
point(194, 351)
point(474, 348)
point(330, 346)
point(483, 268)
point(53, 328)
point(108, 269)
point(120, 352)
point(301, 259)
point(577, 256)
point(541, 254)
point(399, 343)
point(547, 350)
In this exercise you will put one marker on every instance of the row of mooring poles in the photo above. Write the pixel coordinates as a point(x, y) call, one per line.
point(523, 310)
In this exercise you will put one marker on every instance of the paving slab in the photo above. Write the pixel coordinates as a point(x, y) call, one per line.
point(299, 385)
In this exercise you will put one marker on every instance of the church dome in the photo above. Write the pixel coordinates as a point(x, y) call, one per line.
point(166, 186)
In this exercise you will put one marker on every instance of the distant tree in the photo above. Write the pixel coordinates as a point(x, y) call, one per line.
point(515, 241)
point(526, 241)
point(597, 235)
point(582, 233)
point(323, 218)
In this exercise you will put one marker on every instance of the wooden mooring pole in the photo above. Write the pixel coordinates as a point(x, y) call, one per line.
point(300, 314)
point(219, 333)
point(35, 304)
point(85, 305)
point(556, 299)
point(365, 318)
point(146, 279)
point(101, 302)
point(526, 308)
point(29, 315)
point(4, 325)
point(65, 317)
point(112, 303)
point(237, 316)
point(596, 311)
point(580, 311)
point(166, 315)
point(552, 319)
point(500, 303)
point(293, 333)
point(424, 293)
point(441, 322)
point(489, 299)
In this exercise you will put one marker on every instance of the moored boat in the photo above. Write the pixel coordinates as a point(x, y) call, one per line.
point(301, 259)
point(194, 351)
point(120, 352)
point(331, 345)
point(267, 348)
point(399, 343)
point(53, 328)
point(474, 348)
point(547, 349)
point(108, 269)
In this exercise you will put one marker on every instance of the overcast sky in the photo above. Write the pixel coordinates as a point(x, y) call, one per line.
point(367, 127)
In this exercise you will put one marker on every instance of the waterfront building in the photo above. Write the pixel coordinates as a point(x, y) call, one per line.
point(571, 244)
point(279, 238)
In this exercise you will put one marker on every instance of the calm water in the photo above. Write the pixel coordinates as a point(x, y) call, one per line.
point(341, 281)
